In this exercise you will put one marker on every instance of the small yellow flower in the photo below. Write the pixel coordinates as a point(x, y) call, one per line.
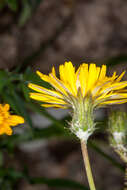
point(83, 91)
point(7, 120)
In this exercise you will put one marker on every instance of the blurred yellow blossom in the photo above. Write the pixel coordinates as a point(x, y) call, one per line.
point(7, 120)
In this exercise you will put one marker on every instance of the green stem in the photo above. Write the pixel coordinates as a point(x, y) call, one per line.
point(87, 165)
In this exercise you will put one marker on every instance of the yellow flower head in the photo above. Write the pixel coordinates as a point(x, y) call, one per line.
point(73, 85)
point(7, 120)
point(83, 90)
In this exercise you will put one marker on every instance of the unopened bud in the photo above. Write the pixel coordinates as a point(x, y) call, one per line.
point(118, 133)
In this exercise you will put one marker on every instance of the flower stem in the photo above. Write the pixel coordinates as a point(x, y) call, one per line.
point(87, 165)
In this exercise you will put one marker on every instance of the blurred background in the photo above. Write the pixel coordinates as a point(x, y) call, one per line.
point(39, 34)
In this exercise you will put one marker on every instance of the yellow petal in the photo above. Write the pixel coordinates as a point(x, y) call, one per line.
point(43, 77)
point(121, 76)
point(2, 130)
point(5, 129)
point(53, 71)
point(59, 85)
point(46, 98)
point(6, 107)
point(68, 76)
point(97, 73)
point(115, 86)
point(102, 72)
point(8, 130)
point(62, 73)
point(91, 77)
point(54, 105)
point(44, 90)
point(82, 74)
point(14, 120)
point(118, 101)
point(54, 81)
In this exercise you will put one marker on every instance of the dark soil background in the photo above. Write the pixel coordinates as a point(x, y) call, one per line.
point(83, 30)
point(59, 31)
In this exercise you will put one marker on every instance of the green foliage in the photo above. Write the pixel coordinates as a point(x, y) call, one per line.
point(12, 4)
point(60, 183)
point(116, 60)
point(26, 8)
point(26, 12)
point(10, 93)
point(29, 6)
point(10, 176)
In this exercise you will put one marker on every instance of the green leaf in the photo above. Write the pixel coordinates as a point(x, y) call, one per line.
point(2, 172)
point(116, 60)
point(21, 108)
point(39, 109)
point(52, 131)
point(26, 13)
point(29, 7)
point(13, 174)
point(4, 78)
point(35, 3)
point(25, 91)
point(10, 142)
point(17, 104)
point(60, 183)
point(8, 98)
point(2, 4)
point(12, 4)
point(30, 76)
point(1, 159)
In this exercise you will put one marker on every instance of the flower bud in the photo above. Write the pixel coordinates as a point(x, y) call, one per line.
point(118, 133)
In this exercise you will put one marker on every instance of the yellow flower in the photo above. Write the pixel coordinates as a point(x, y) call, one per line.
point(83, 91)
point(7, 120)
point(88, 82)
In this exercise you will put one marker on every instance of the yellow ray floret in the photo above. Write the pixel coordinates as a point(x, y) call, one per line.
point(7, 120)
point(89, 81)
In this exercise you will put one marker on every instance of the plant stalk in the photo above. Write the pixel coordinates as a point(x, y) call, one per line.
point(87, 165)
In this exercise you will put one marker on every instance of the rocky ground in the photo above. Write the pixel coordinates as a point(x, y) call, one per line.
point(91, 30)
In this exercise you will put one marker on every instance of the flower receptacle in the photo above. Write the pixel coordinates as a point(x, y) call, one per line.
point(83, 124)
